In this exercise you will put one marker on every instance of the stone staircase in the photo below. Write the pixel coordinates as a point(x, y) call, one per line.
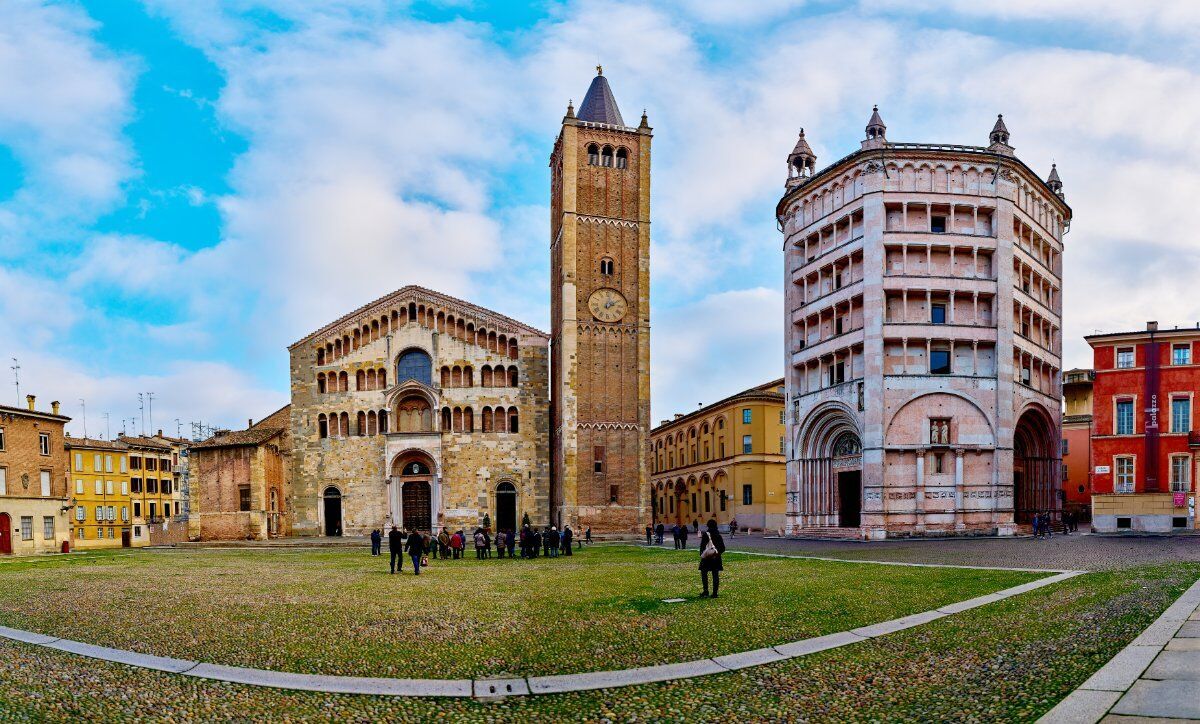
point(827, 533)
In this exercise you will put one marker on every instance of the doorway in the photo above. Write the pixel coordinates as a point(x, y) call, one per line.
point(5, 534)
point(126, 538)
point(333, 512)
point(415, 504)
point(850, 499)
point(506, 506)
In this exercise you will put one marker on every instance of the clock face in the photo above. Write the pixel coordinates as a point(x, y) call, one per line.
point(607, 305)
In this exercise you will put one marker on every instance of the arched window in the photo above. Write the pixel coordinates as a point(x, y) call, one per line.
point(371, 379)
point(321, 382)
point(622, 158)
point(361, 424)
point(343, 382)
point(486, 422)
point(468, 376)
point(606, 266)
point(322, 426)
point(372, 423)
point(345, 425)
point(321, 356)
point(485, 376)
point(414, 364)
point(413, 414)
point(512, 349)
point(468, 420)
point(593, 155)
point(445, 419)
point(381, 378)
point(445, 375)
point(456, 376)
point(383, 422)
point(512, 376)
point(512, 419)
point(501, 420)
point(360, 380)
point(458, 419)
point(606, 157)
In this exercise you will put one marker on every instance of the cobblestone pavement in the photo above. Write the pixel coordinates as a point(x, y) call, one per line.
point(1075, 552)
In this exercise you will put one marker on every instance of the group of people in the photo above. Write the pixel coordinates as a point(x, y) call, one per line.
point(1041, 525)
point(679, 533)
point(420, 547)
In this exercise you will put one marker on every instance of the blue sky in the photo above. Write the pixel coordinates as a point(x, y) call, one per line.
point(188, 187)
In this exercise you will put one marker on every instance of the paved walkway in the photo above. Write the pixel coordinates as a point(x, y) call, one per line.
point(493, 688)
point(1155, 677)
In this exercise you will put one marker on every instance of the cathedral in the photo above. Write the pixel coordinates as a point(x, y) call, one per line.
point(425, 411)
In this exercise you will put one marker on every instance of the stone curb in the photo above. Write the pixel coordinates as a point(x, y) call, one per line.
point(1100, 694)
point(500, 688)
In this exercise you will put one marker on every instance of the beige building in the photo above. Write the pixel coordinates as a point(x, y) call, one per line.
point(724, 461)
point(419, 410)
point(34, 506)
point(923, 346)
point(242, 482)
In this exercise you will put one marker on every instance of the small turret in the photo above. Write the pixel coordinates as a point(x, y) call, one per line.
point(802, 162)
point(998, 138)
point(1055, 183)
point(876, 131)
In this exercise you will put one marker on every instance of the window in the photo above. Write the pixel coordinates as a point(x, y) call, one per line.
point(1124, 417)
point(108, 487)
point(593, 155)
point(724, 497)
point(1066, 448)
point(1181, 354)
point(606, 266)
point(96, 462)
point(614, 493)
point(135, 485)
point(747, 444)
point(166, 487)
point(110, 513)
point(137, 509)
point(598, 459)
point(1181, 414)
point(99, 486)
point(99, 513)
point(124, 487)
point(81, 533)
point(26, 527)
point(1181, 474)
point(80, 513)
point(152, 485)
point(747, 416)
point(3, 481)
point(154, 510)
point(937, 314)
point(1179, 521)
point(79, 461)
point(152, 463)
point(124, 465)
point(44, 443)
point(837, 373)
point(45, 480)
point(747, 495)
point(781, 417)
point(1, 438)
point(937, 224)
point(108, 468)
point(1124, 479)
point(78, 486)
point(782, 445)
point(939, 462)
point(622, 158)
point(939, 362)
point(1124, 523)
point(415, 365)
point(606, 157)
point(1125, 358)
point(135, 463)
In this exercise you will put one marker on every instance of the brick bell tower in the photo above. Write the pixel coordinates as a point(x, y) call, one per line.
point(600, 317)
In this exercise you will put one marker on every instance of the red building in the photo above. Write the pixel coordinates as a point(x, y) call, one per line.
point(1077, 442)
point(1143, 449)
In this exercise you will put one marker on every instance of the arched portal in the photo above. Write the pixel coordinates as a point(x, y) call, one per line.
point(333, 511)
point(1037, 466)
point(413, 481)
point(416, 500)
point(829, 486)
point(506, 506)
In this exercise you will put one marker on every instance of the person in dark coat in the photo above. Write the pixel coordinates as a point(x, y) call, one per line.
point(535, 545)
point(675, 535)
point(415, 547)
point(649, 535)
point(587, 535)
point(712, 564)
point(567, 535)
point(658, 532)
point(376, 542)
point(510, 541)
point(396, 548)
point(683, 536)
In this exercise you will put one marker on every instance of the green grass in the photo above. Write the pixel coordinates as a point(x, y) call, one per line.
point(339, 612)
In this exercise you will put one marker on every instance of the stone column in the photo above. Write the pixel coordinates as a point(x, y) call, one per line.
point(958, 489)
point(919, 503)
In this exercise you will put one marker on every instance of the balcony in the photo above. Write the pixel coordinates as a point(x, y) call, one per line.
point(1194, 438)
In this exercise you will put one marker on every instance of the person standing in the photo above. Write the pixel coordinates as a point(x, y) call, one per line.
point(649, 535)
point(376, 542)
point(658, 531)
point(567, 535)
point(443, 544)
point(683, 536)
point(712, 547)
point(510, 541)
point(479, 541)
point(415, 547)
point(733, 528)
point(675, 535)
point(396, 548)
point(587, 535)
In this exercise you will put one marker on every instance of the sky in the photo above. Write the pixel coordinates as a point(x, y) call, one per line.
point(189, 186)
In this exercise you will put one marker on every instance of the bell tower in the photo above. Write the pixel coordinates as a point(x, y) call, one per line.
point(600, 316)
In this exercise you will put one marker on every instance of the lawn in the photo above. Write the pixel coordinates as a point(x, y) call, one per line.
point(337, 611)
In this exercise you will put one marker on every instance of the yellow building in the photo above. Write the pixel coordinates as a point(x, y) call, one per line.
point(153, 499)
point(99, 486)
point(724, 461)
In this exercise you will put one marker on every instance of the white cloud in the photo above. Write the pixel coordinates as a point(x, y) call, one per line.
point(63, 102)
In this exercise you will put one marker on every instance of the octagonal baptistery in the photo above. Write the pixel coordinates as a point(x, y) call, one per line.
point(422, 411)
point(923, 345)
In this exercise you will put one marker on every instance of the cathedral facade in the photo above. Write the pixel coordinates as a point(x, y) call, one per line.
point(422, 411)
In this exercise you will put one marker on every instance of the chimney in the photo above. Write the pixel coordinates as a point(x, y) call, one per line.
point(29, 400)
point(54, 407)
point(160, 432)
point(1151, 326)
point(249, 422)
point(678, 415)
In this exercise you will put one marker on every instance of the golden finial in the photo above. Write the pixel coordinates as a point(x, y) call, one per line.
point(599, 70)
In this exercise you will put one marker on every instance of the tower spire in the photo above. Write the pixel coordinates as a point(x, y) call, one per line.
point(599, 105)
point(876, 130)
point(998, 138)
point(1054, 182)
point(802, 162)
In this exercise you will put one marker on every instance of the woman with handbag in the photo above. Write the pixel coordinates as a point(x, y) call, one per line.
point(712, 546)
